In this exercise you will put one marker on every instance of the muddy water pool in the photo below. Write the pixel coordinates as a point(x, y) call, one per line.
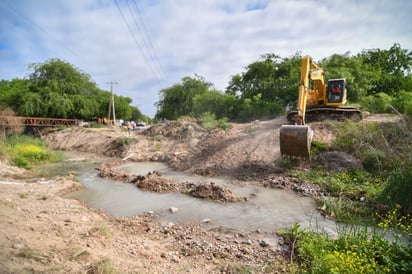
point(266, 209)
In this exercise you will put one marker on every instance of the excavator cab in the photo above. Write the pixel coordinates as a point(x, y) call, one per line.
point(336, 92)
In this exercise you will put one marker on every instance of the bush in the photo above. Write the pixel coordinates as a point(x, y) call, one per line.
point(378, 103)
point(379, 146)
point(208, 121)
point(25, 150)
point(398, 189)
point(32, 153)
point(357, 249)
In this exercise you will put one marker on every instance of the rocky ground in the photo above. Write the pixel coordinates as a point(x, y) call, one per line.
point(44, 232)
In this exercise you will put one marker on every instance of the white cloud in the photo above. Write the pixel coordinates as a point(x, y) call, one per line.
point(215, 39)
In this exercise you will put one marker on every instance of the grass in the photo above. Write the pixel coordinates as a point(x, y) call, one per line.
point(102, 266)
point(357, 249)
point(23, 195)
point(124, 141)
point(384, 151)
point(29, 253)
point(26, 151)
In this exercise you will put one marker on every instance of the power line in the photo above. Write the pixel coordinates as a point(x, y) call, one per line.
point(146, 34)
point(137, 43)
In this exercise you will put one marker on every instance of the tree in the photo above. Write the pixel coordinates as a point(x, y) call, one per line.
point(392, 69)
point(31, 105)
point(59, 76)
point(273, 77)
point(357, 73)
point(213, 102)
point(177, 100)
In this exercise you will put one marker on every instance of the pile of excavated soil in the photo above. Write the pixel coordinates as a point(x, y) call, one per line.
point(155, 182)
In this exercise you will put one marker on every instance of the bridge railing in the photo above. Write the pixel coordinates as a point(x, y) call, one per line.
point(37, 122)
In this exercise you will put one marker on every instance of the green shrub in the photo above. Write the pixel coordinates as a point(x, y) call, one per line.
point(403, 102)
point(398, 189)
point(32, 153)
point(25, 150)
point(208, 121)
point(378, 103)
point(317, 147)
point(20, 161)
point(124, 141)
point(379, 146)
point(357, 249)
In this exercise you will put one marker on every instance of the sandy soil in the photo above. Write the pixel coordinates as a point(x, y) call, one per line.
point(44, 232)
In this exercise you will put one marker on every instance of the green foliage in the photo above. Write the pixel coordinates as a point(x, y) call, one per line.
point(212, 102)
point(398, 189)
point(288, 162)
point(124, 141)
point(317, 147)
point(377, 103)
point(24, 151)
point(208, 121)
point(57, 89)
point(403, 102)
point(291, 238)
point(357, 249)
point(392, 69)
point(379, 146)
point(178, 100)
point(274, 78)
point(350, 193)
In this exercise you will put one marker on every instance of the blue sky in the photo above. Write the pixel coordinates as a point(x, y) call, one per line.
point(166, 40)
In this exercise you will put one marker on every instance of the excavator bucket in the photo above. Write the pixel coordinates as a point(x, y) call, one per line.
point(295, 140)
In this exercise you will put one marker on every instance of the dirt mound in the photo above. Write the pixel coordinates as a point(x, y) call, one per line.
point(178, 130)
point(101, 141)
point(155, 182)
point(211, 191)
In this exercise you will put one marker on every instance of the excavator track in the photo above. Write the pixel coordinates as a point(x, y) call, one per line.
point(319, 114)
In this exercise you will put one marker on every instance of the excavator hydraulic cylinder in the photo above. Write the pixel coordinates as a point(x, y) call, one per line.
point(295, 140)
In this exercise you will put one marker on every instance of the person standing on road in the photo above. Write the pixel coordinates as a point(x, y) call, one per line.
point(129, 128)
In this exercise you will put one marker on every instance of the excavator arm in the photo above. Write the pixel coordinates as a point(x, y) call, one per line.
point(310, 72)
point(295, 140)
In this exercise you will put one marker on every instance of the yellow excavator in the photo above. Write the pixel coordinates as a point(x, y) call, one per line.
point(317, 101)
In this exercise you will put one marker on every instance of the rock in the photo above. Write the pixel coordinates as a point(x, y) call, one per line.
point(18, 246)
point(173, 209)
point(337, 161)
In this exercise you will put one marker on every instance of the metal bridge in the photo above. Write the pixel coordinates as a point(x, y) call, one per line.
point(6, 121)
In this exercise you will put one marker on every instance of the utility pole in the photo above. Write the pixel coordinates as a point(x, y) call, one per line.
point(111, 103)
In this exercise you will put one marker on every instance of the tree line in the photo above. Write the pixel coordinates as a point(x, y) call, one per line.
point(379, 80)
point(57, 89)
